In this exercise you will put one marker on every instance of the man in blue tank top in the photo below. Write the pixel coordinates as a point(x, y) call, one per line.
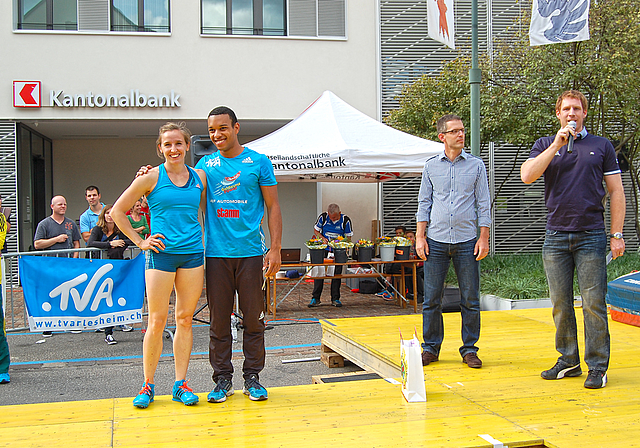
point(240, 182)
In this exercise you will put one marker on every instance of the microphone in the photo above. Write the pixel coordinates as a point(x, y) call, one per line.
point(570, 144)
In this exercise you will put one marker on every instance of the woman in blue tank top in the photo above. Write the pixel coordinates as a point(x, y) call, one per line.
point(175, 254)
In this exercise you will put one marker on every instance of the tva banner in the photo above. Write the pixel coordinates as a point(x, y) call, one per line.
point(74, 294)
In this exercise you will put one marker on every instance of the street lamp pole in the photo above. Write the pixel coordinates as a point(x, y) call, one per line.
point(475, 76)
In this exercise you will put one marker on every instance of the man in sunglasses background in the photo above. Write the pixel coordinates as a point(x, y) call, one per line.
point(453, 201)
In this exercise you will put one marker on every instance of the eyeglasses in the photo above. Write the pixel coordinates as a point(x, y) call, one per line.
point(455, 131)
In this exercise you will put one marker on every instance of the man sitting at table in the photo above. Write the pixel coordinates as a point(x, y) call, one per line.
point(329, 226)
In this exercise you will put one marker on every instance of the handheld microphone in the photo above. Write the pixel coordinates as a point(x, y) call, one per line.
point(570, 144)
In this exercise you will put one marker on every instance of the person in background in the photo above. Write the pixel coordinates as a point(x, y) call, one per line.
point(144, 210)
point(89, 218)
point(453, 202)
point(57, 232)
point(175, 255)
point(6, 211)
point(106, 235)
point(137, 220)
point(411, 236)
point(575, 239)
point(329, 226)
point(5, 359)
point(391, 268)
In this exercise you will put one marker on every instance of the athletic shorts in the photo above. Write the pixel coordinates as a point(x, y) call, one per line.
point(172, 262)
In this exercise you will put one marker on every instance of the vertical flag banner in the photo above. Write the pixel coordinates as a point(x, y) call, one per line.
point(440, 19)
point(73, 293)
point(559, 21)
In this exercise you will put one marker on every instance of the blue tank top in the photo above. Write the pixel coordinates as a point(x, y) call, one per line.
point(174, 213)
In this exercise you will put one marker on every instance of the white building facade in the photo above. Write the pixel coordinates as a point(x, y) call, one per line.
point(87, 83)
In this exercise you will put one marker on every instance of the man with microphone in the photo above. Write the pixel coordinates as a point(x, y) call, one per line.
point(574, 164)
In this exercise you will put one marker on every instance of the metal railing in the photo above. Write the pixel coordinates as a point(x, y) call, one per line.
point(16, 318)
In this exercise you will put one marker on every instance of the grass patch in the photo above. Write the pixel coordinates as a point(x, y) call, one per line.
point(520, 277)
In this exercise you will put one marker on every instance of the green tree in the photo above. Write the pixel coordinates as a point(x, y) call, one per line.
point(521, 83)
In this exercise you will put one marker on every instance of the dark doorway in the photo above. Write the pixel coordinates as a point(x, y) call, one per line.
point(34, 154)
point(39, 200)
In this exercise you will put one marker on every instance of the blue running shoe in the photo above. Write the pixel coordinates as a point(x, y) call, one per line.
point(314, 303)
point(145, 396)
point(4, 378)
point(224, 389)
point(183, 393)
point(254, 389)
point(336, 303)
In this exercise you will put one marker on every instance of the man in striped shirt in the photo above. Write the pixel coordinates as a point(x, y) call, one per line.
point(452, 203)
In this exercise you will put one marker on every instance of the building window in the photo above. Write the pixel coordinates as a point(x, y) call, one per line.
point(140, 16)
point(248, 17)
point(307, 18)
point(47, 15)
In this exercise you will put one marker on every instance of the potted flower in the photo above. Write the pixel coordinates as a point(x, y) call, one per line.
point(385, 241)
point(387, 247)
point(403, 248)
point(364, 243)
point(365, 250)
point(340, 246)
point(402, 241)
point(316, 243)
point(316, 248)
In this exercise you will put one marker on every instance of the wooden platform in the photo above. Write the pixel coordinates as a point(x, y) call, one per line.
point(505, 401)
point(515, 347)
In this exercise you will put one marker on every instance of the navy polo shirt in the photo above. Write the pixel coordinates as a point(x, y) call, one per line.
point(573, 182)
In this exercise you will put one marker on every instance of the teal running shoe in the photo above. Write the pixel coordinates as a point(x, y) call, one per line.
point(145, 396)
point(223, 389)
point(4, 378)
point(254, 389)
point(183, 393)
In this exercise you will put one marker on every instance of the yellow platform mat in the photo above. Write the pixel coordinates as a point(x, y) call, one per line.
point(506, 401)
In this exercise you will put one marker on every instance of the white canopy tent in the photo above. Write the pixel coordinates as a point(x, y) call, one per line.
point(334, 142)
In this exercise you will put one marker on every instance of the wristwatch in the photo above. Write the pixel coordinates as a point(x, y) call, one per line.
point(617, 235)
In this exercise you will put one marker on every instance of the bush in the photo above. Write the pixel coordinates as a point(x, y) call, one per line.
point(522, 276)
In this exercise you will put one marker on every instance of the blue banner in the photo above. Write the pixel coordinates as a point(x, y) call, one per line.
point(75, 294)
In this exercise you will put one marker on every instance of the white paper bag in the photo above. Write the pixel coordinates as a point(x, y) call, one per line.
point(413, 388)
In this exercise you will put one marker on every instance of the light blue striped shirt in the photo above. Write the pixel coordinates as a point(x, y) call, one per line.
point(454, 198)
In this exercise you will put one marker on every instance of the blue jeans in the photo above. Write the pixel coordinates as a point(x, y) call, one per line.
point(584, 252)
point(435, 272)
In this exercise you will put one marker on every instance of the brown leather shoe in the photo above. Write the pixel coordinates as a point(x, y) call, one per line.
point(428, 358)
point(472, 360)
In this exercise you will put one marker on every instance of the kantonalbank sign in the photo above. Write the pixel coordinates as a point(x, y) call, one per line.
point(27, 94)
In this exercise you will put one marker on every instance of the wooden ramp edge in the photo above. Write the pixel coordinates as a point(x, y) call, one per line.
point(358, 351)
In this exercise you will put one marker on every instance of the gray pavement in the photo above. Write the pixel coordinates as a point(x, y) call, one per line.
point(68, 367)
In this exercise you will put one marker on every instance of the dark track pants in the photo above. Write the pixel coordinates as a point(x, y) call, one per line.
point(224, 277)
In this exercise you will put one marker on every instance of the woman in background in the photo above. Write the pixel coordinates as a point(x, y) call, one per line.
point(106, 235)
point(138, 220)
